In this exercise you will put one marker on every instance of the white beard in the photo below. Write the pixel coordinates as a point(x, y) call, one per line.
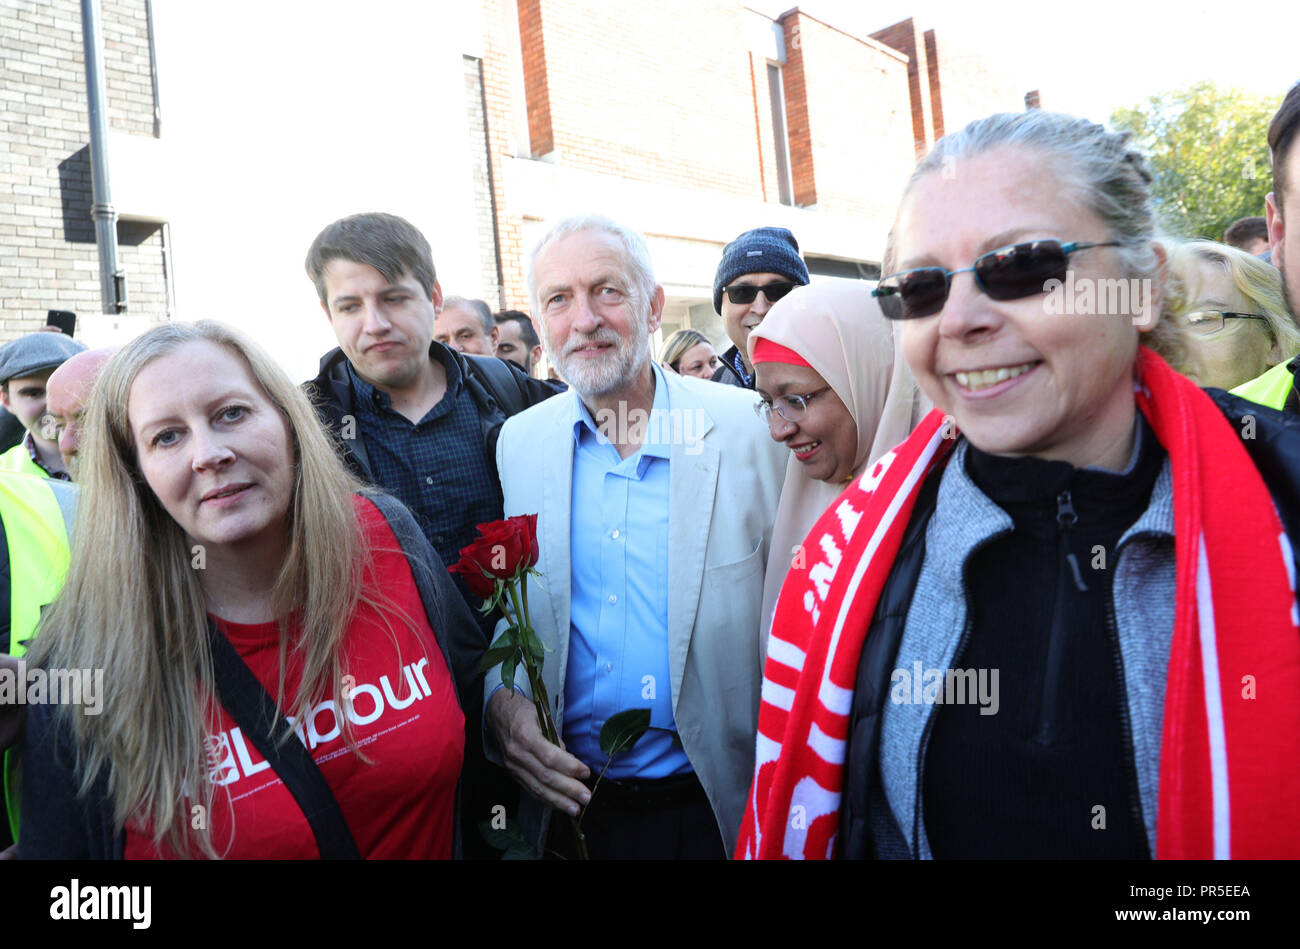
point(592, 378)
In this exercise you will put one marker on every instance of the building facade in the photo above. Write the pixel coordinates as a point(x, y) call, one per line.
point(235, 138)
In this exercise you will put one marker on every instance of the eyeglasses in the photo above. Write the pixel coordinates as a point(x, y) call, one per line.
point(1209, 322)
point(748, 292)
point(1008, 273)
point(790, 407)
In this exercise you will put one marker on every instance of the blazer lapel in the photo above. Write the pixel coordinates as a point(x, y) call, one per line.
point(692, 482)
point(553, 526)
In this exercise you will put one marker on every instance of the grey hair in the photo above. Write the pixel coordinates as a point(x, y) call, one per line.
point(478, 307)
point(1098, 169)
point(635, 254)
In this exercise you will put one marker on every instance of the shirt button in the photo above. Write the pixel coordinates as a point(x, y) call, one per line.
point(614, 533)
point(428, 481)
point(613, 599)
point(609, 667)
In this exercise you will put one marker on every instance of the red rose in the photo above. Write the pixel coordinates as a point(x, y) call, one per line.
point(479, 584)
point(502, 550)
point(527, 527)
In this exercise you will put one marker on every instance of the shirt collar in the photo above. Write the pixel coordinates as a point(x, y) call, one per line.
point(737, 365)
point(657, 443)
point(376, 398)
point(36, 459)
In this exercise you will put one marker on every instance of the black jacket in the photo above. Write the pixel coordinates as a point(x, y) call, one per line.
point(58, 824)
point(1271, 438)
point(726, 372)
point(499, 389)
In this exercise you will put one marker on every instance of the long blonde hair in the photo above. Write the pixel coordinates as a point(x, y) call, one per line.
point(1258, 282)
point(134, 607)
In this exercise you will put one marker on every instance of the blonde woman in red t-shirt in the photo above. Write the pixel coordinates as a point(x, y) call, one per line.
point(210, 493)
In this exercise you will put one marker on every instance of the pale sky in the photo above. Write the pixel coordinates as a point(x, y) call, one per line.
point(1090, 58)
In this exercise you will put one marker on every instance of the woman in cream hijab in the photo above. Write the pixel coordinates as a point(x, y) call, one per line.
point(835, 390)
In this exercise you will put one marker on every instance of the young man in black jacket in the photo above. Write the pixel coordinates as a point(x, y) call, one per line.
point(413, 416)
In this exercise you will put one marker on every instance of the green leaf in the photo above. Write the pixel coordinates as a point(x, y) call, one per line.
point(533, 643)
point(509, 637)
point(497, 654)
point(510, 839)
point(508, 670)
point(623, 730)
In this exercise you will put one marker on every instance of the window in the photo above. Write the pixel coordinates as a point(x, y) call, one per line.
point(776, 91)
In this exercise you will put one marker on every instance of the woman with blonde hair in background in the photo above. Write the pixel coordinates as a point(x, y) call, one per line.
point(837, 391)
point(226, 573)
point(689, 353)
point(1231, 321)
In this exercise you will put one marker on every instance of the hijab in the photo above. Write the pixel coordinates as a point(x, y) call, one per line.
point(837, 328)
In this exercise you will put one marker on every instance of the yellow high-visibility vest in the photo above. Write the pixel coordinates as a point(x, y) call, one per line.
point(37, 516)
point(18, 460)
point(1271, 389)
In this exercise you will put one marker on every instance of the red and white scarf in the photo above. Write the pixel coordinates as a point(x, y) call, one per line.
point(1230, 753)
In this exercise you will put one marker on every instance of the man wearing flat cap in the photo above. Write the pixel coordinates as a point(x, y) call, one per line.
point(25, 364)
point(758, 268)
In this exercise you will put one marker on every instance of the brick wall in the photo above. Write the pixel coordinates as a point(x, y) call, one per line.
point(659, 92)
point(796, 110)
point(48, 259)
point(497, 114)
point(907, 38)
point(936, 85)
point(973, 86)
point(850, 119)
point(484, 225)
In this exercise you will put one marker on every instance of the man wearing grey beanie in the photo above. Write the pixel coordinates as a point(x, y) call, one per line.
point(758, 268)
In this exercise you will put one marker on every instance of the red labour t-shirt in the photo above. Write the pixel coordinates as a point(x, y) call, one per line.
point(405, 719)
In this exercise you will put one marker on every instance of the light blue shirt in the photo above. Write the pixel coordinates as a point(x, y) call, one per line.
point(618, 612)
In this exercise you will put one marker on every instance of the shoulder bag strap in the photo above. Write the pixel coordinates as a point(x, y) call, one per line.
point(254, 710)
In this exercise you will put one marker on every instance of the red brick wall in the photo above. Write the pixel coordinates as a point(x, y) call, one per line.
point(907, 39)
point(654, 92)
point(536, 80)
point(850, 118)
point(796, 110)
point(936, 86)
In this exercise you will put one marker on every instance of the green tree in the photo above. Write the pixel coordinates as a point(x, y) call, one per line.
point(1208, 149)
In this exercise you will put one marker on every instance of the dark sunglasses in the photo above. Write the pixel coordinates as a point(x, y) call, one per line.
point(748, 293)
point(1008, 273)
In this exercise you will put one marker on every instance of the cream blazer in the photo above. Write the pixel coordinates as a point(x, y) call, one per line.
point(725, 476)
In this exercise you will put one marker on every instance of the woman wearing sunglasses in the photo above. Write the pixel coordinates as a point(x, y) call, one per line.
point(836, 391)
point(1231, 320)
point(1035, 628)
point(230, 584)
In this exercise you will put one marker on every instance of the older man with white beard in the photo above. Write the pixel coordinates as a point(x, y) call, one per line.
point(655, 495)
